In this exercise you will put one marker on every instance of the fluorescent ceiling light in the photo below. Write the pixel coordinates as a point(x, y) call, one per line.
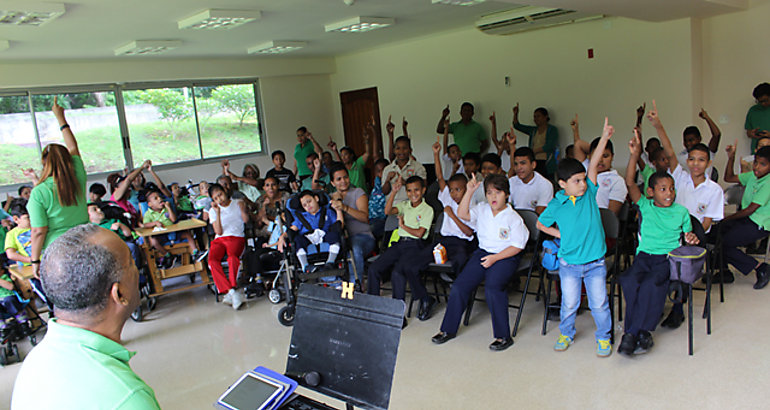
point(4, 45)
point(214, 19)
point(458, 2)
point(360, 24)
point(24, 13)
point(145, 47)
point(277, 47)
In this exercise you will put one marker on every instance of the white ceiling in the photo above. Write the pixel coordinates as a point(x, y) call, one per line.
point(92, 29)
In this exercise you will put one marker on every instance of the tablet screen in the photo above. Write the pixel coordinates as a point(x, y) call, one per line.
point(250, 393)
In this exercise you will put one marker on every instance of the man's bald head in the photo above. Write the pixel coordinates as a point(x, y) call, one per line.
point(79, 268)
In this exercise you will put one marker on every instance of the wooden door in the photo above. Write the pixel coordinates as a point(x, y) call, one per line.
point(358, 109)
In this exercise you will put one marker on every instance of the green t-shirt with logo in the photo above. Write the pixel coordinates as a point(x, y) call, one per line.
point(758, 192)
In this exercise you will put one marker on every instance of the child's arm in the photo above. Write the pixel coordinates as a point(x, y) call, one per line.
point(460, 224)
point(122, 227)
point(510, 137)
point(580, 148)
point(404, 125)
point(640, 162)
point(13, 255)
point(316, 175)
point(120, 191)
point(316, 146)
point(635, 146)
point(66, 132)
point(664, 140)
point(389, 127)
point(508, 252)
point(171, 214)
point(340, 216)
point(377, 146)
point(493, 133)
point(441, 122)
point(161, 185)
point(730, 167)
point(639, 115)
point(389, 208)
point(416, 232)
point(550, 230)
point(599, 151)
point(464, 209)
point(716, 134)
point(333, 147)
point(437, 166)
point(31, 175)
point(367, 146)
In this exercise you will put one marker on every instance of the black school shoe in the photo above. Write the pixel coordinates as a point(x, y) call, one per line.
point(442, 337)
point(763, 276)
point(627, 344)
point(499, 345)
point(643, 342)
point(426, 308)
point(673, 320)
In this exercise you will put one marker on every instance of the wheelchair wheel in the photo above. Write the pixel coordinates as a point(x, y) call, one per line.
point(275, 296)
point(137, 314)
point(286, 315)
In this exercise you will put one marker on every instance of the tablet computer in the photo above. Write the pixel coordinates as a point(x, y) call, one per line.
point(251, 392)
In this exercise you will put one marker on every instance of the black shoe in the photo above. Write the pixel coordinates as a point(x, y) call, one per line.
point(643, 342)
point(627, 344)
point(442, 337)
point(763, 276)
point(168, 261)
point(405, 323)
point(673, 320)
point(426, 308)
point(499, 345)
point(729, 278)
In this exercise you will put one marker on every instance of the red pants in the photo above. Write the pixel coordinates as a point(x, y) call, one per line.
point(233, 246)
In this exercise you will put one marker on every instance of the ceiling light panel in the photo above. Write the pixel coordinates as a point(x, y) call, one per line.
point(147, 47)
point(29, 14)
point(360, 24)
point(219, 19)
point(458, 2)
point(277, 47)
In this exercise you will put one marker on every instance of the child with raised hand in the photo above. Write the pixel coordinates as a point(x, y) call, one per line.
point(452, 158)
point(414, 220)
point(612, 189)
point(504, 149)
point(752, 222)
point(227, 217)
point(502, 235)
point(314, 225)
point(529, 189)
point(403, 167)
point(691, 137)
point(575, 211)
point(160, 214)
point(645, 283)
point(355, 165)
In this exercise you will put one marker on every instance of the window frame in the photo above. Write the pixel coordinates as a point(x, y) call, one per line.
point(117, 89)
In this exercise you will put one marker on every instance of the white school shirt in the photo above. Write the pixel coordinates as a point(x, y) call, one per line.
point(611, 187)
point(448, 226)
point(505, 161)
point(537, 192)
point(411, 168)
point(497, 232)
point(232, 224)
point(703, 201)
point(480, 196)
point(447, 166)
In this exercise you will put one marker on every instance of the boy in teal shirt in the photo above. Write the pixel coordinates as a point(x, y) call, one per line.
point(581, 253)
point(645, 284)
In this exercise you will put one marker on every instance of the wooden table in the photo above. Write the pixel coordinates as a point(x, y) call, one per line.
point(157, 275)
point(21, 276)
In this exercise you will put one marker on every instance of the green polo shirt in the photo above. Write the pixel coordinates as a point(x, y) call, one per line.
point(416, 217)
point(46, 211)
point(580, 225)
point(661, 227)
point(468, 136)
point(152, 216)
point(357, 175)
point(74, 368)
point(757, 117)
point(646, 173)
point(300, 155)
point(107, 224)
point(758, 192)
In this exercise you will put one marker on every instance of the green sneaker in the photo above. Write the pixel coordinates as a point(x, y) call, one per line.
point(603, 348)
point(563, 343)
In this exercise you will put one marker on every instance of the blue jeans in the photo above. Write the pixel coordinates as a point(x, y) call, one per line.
point(594, 275)
point(362, 244)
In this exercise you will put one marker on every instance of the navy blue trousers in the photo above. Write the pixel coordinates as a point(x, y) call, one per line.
point(740, 232)
point(395, 259)
point(456, 250)
point(645, 285)
point(495, 279)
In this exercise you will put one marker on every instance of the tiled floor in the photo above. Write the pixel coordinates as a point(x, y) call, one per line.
point(191, 349)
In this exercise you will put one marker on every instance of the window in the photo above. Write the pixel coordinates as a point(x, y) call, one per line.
point(18, 144)
point(162, 122)
point(94, 121)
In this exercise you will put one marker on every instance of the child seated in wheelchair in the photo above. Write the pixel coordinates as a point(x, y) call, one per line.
point(97, 217)
point(18, 247)
point(11, 308)
point(314, 224)
point(160, 214)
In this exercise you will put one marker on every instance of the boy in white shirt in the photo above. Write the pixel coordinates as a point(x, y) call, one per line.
point(529, 189)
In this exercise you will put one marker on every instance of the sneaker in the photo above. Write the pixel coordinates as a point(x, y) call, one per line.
point(199, 256)
point(643, 342)
point(228, 298)
point(237, 300)
point(168, 261)
point(627, 344)
point(603, 348)
point(563, 343)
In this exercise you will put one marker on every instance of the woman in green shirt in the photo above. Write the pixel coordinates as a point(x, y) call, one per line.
point(543, 138)
point(58, 201)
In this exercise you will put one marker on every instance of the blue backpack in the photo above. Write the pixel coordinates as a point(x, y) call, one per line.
point(550, 255)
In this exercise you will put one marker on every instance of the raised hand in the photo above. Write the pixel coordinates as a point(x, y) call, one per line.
point(516, 109)
point(730, 149)
point(404, 124)
point(640, 111)
point(510, 136)
point(703, 114)
point(436, 147)
point(445, 112)
point(309, 136)
point(390, 176)
point(225, 164)
point(574, 124)
point(29, 173)
point(317, 164)
point(57, 109)
point(398, 184)
point(493, 118)
point(653, 115)
point(608, 129)
point(635, 145)
point(390, 126)
point(332, 145)
point(473, 183)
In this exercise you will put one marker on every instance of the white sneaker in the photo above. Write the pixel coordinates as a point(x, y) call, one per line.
point(228, 298)
point(237, 300)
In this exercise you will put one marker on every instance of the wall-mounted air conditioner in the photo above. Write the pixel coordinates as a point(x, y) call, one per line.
point(530, 18)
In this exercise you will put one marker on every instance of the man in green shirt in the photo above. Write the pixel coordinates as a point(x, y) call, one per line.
point(80, 364)
point(758, 118)
point(306, 146)
point(469, 135)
